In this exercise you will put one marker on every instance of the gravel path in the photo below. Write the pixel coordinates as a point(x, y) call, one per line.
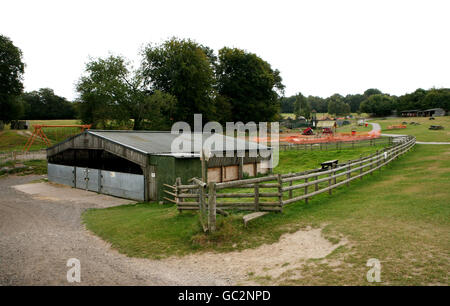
point(40, 229)
point(38, 236)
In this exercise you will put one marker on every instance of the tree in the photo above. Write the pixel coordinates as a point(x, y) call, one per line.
point(45, 104)
point(11, 75)
point(111, 93)
point(183, 69)
point(337, 106)
point(250, 84)
point(354, 101)
point(318, 104)
point(435, 98)
point(287, 104)
point(372, 91)
point(302, 107)
point(378, 105)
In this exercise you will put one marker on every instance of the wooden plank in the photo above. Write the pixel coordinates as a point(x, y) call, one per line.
point(170, 200)
point(252, 216)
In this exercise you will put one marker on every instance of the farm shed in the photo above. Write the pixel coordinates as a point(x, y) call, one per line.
point(137, 164)
point(434, 112)
point(326, 124)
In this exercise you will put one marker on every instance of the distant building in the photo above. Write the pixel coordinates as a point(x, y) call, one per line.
point(432, 112)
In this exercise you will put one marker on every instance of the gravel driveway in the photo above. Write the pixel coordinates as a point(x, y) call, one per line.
point(38, 235)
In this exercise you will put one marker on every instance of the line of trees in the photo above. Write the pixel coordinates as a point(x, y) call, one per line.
point(175, 80)
point(372, 101)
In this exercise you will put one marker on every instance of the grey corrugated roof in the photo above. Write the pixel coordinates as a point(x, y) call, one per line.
point(151, 142)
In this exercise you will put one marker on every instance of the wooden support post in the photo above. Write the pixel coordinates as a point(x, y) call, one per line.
point(349, 174)
point(212, 207)
point(177, 192)
point(306, 190)
point(360, 170)
point(256, 196)
point(280, 191)
point(317, 184)
point(329, 183)
point(378, 158)
point(290, 191)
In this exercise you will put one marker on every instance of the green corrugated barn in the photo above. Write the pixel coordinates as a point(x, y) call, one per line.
point(137, 164)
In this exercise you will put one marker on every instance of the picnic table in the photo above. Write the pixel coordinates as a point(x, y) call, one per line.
point(329, 164)
point(436, 127)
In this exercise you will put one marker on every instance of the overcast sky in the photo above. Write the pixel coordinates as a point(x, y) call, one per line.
point(320, 47)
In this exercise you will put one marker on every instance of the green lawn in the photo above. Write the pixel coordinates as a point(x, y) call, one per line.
point(399, 215)
point(421, 131)
point(15, 140)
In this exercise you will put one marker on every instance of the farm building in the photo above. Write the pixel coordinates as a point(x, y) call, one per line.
point(425, 113)
point(137, 164)
point(432, 112)
point(326, 125)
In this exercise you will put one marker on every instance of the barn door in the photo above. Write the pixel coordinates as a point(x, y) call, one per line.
point(87, 179)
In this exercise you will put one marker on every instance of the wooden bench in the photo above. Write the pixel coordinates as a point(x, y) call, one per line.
point(436, 127)
point(329, 164)
point(252, 216)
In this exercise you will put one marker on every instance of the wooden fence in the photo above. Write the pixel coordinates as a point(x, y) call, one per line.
point(273, 192)
point(20, 156)
point(337, 145)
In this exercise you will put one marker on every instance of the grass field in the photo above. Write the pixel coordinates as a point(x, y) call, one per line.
point(400, 215)
point(421, 131)
point(14, 140)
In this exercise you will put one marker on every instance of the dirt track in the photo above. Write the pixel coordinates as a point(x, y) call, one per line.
point(41, 229)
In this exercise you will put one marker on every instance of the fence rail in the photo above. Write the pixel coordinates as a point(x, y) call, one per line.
point(336, 145)
point(18, 156)
point(273, 192)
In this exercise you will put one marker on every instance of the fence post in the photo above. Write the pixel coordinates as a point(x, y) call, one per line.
point(361, 170)
point(177, 192)
point(212, 207)
point(290, 191)
point(306, 190)
point(280, 192)
point(329, 183)
point(349, 174)
point(256, 197)
point(317, 184)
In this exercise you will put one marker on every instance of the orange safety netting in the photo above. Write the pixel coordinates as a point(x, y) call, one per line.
point(336, 137)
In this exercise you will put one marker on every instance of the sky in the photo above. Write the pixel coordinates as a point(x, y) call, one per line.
point(320, 47)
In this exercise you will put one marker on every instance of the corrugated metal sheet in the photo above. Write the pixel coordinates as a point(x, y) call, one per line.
point(61, 174)
point(161, 142)
point(124, 185)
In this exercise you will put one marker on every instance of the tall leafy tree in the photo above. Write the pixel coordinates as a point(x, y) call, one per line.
point(111, 92)
point(378, 105)
point(45, 104)
point(11, 76)
point(184, 69)
point(302, 107)
point(250, 84)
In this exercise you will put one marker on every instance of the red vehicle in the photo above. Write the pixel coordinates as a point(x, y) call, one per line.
point(327, 131)
point(308, 131)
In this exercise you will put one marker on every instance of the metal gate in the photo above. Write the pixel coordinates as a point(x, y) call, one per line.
point(119, 184)
point(88, 179)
